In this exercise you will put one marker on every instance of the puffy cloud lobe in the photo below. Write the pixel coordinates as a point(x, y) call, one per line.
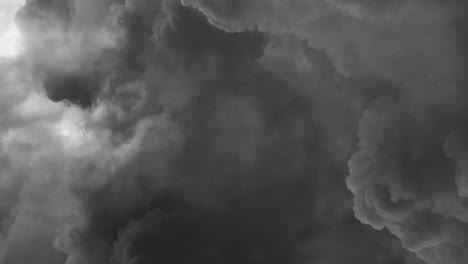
point(403, 180)
point(406, 177)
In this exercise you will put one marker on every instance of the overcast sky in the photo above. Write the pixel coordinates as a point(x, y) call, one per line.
point(233, 131)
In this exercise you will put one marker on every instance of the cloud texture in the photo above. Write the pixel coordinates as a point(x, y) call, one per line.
point(227, 131)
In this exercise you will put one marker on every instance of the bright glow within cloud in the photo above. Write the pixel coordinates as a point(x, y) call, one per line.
point(10, 37)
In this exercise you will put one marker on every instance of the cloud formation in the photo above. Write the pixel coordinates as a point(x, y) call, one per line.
point(223, 131)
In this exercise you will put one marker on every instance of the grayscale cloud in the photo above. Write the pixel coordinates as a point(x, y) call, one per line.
point(235, 131)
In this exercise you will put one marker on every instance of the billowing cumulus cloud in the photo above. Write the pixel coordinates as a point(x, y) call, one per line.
point(222, 131)
point(407, 175)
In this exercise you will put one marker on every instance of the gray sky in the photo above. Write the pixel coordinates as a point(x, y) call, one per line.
point(233, 131)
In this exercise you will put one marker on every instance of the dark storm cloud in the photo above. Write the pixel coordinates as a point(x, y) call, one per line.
point(406, 176)
point(238, 160)
point(228, 150)
point(223, 130)
point(402, 177)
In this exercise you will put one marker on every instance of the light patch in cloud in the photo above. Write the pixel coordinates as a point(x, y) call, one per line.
point(10, 37)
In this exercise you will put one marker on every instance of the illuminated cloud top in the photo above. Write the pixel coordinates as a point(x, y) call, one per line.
point(10, 37)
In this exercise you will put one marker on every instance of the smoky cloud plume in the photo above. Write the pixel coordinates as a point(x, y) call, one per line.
point(224, 131)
